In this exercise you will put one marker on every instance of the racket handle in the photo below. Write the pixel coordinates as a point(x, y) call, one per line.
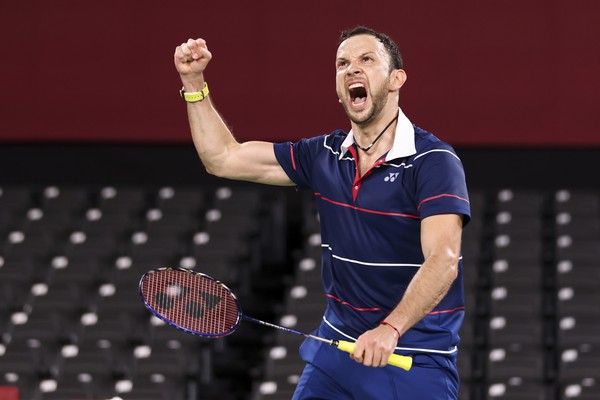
point(396, 360)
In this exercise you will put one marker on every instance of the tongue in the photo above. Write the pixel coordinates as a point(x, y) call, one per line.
point(359, 100)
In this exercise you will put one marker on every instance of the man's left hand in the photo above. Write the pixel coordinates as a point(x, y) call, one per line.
point(374, 347)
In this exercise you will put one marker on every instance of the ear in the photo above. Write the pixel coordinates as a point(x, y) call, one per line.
point(397, 79)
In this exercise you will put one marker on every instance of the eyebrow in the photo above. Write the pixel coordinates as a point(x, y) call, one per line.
point(368, 52)
point(338, 59)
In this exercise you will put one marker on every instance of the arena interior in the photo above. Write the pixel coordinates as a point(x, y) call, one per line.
point(100, 182)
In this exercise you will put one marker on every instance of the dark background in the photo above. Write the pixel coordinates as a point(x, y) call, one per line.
point(503, 74)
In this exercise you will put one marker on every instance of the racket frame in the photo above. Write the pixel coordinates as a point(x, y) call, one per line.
point(160, 316)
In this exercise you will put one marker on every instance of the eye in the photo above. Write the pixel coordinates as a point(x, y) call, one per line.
point(341, 64)
point(367, 58)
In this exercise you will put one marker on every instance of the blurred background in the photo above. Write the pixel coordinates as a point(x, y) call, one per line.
point(99, 181)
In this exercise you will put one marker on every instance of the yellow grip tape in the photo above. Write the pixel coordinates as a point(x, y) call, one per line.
point(396, 360)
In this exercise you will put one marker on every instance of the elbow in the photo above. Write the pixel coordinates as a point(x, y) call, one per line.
point(447, 264)
point(211, 171)
point(215, 170)
point(452, 260)
point(453, 271)
point(216, 165)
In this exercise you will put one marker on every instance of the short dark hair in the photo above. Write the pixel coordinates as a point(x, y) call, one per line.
point(388, 43)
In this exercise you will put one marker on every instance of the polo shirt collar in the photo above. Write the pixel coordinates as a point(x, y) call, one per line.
point(404, 140)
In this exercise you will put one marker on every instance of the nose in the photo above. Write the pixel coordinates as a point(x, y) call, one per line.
point(352, 69)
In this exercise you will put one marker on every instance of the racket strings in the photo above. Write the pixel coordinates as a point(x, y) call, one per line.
point(194, 302)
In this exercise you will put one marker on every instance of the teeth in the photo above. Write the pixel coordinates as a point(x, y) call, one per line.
point(356, 85)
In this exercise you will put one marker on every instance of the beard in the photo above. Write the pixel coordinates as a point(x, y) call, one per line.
point(377, 100)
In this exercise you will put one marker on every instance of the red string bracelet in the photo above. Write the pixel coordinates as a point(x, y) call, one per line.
point(391, 326)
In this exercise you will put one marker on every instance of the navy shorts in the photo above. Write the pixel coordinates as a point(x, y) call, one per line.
point(331, 374)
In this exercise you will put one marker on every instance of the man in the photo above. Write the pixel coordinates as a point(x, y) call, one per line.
point(392, 200)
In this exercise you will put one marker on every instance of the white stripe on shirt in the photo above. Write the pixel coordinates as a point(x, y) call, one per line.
point(451, 351)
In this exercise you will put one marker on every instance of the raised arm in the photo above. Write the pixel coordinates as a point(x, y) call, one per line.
point(440, 242)
point(220, 153)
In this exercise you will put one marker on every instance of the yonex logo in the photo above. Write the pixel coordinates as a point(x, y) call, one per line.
point(193, 307)
point(391, 177)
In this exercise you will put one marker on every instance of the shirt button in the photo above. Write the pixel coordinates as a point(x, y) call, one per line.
point(356, 187)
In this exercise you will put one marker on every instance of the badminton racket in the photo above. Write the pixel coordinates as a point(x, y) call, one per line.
point(201, 305)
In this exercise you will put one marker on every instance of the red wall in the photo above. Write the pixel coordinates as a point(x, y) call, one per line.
point(515, 72)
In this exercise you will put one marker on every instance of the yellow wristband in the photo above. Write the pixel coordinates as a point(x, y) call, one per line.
point(194, 96)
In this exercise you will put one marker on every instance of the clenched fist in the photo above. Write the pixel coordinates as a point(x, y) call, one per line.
point(191, 59)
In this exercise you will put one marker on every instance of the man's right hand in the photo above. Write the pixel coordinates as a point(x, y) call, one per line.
point(191, 59)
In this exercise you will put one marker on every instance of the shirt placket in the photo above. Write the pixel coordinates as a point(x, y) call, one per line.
point(358, 180)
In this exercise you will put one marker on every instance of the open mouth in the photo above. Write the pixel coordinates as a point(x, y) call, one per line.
point(358, 94)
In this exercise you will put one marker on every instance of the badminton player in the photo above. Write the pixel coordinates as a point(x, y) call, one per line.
point(392, 200)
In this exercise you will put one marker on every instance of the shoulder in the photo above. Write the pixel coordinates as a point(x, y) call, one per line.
point(427, 144)
point(330, 142)
point(335, 138)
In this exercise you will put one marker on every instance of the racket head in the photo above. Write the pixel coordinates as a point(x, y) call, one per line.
point(191, 301)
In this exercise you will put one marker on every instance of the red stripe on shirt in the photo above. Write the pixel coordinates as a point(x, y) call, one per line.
point(292, 156)
point(379, 309)
point(391, 214)
point(351, 306)
point(441, 195)
point(446, 311)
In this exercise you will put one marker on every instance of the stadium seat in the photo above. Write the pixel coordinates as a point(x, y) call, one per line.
point(581, 389)
point(508, 301)
point(518, 276)
point(520, 202)
point(518, 332)
point(577, 202)
point(577, 274)
point(580, 363)
point(520, 363)
point(584, 250)
point(577, 331)
point(518, 389)
point(578, 302)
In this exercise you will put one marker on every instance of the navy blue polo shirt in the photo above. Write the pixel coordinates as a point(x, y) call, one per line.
point(370, 227)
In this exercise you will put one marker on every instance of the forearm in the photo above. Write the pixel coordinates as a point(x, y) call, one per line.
point(211, 136)
point(428, 287)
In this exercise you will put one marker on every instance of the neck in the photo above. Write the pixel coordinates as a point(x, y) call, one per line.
point(375, 134)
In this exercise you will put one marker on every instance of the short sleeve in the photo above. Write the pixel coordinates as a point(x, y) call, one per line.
point(297, 159)
point(440, 184)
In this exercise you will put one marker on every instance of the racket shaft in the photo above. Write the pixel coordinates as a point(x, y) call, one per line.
point(396, 360)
